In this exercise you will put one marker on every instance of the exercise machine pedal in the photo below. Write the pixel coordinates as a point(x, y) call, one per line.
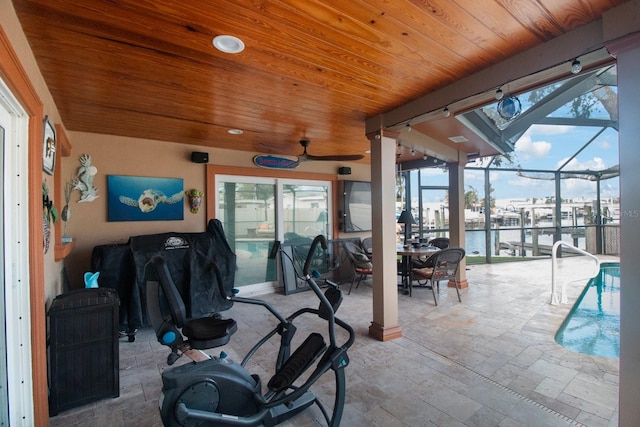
point(298, 362)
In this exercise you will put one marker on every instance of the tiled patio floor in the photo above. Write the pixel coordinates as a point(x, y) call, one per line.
point(488, 361)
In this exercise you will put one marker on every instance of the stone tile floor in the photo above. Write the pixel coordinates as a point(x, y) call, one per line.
point(488, 361)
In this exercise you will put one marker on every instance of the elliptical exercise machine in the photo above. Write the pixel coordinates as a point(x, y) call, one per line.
point(215, 391)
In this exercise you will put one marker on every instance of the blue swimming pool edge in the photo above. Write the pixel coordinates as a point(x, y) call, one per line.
point(603, 266)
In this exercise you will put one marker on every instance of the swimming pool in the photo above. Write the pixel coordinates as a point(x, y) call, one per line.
point(593, 324)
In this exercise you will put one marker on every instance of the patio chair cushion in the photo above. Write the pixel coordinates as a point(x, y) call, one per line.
point(361, 261)
point(424, 272)
point(361, 270)
point(427, 272)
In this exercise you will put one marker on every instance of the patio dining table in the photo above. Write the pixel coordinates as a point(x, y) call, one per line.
point(408, 253)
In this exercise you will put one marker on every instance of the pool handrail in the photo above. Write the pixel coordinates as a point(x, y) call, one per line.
point(554, 290)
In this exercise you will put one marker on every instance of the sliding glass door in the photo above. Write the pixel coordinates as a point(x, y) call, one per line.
point(304, 211)
point(256, 211)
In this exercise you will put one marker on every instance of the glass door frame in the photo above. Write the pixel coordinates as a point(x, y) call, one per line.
point(330, 206)
point(17, 358)
point(288, 176)
point(279, 193)
point(217, 174)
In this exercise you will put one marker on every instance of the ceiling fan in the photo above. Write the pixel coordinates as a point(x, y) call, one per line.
point(305, 157)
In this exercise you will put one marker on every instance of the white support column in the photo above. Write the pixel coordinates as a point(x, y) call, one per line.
point(456, 216)
point(385, 324)
point(628, 56)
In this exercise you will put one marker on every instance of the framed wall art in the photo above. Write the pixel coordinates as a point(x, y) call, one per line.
point(48, 146)
point(139, 198)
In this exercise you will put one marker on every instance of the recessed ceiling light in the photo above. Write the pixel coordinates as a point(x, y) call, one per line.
point(458, 139)
point(235, 131)
point(228, 44)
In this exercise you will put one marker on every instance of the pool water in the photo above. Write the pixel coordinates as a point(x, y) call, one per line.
point(593, 325)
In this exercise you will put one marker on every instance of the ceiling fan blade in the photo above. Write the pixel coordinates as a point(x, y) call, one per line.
point(337, 158)
point(304, 157)
point(275, 149)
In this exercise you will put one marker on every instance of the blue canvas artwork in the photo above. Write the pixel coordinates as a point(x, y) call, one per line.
point(139, 198)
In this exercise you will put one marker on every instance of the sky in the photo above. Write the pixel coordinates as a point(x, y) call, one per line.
point(545, 147)
point(551, 148)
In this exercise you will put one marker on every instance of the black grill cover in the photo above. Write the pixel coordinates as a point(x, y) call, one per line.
point(188, 257)
point(115, 264)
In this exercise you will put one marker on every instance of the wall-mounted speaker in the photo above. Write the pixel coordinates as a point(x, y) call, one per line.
point(199, 157)
point(344, 170)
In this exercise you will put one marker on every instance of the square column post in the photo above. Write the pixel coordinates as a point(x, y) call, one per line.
point(456, 216)
point(385, 324)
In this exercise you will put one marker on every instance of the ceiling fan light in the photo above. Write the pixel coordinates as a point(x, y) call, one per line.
point(228, 44)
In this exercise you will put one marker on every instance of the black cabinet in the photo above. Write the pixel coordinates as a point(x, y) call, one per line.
point(83, 348)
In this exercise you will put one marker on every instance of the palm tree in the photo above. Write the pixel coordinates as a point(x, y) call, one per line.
point(470, 198)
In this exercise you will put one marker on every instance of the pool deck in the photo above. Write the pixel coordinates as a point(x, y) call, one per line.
point(488, 361)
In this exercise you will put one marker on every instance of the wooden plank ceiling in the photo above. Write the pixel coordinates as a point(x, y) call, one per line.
point(315, 68)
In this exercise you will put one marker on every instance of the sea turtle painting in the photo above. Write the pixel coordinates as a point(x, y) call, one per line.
point(150, 199)
point(144, 198)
